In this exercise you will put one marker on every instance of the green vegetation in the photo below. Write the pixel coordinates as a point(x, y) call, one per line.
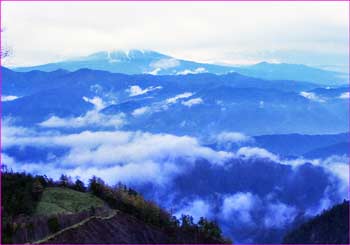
point(56, 200)
point(129, 201)
point(19, 196)
point(24, 195)
point(331, 227)
point(20, 193)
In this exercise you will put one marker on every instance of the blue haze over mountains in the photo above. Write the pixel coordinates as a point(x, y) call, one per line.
point(282, 128)
point(146, 61)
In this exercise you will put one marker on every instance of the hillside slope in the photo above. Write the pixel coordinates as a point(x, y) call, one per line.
point(331, 227)
point(56, 200)
point(40, 210)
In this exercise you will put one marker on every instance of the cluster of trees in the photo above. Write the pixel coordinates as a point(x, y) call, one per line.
point(330, 227)
point(130, 201)
point(21, 193)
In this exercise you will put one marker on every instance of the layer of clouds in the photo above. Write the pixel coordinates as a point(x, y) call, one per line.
point(89, 149)
point(205, 36)
point(139, 158)
point(114, 155)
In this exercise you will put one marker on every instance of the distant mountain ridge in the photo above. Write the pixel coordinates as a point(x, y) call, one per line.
point(213, 103)
point(151, 62)
point(132, 62)
point(44, 113)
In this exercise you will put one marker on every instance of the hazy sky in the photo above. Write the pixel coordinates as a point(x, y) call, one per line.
point(314, 33)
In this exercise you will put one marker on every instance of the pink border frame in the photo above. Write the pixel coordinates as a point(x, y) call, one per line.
point(170, 1)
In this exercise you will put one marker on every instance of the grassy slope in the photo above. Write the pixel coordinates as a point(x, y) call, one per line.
point(63, 200)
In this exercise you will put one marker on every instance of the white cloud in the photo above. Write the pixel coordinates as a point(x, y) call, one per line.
point(338, 166)
point(232, 137)
point(311, 96)
point(7, 160)
point(165, 63)
point(195, 71)
point(255, 152)
point(179, 96)
point(191, 102)
point(154, 72)
point(91, 118)
point(239, 206)
point(8, 130)
point(247, 152)
point(197, 208)
point(140, 111)
point(8, 97)
point(279, 214)
point(135, 157)
point(345, 96)
point(137, 90)
point(323, 204)
point(145, 147)
point(96, 101)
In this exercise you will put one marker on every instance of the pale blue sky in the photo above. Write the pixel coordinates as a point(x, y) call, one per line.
point(314, 33)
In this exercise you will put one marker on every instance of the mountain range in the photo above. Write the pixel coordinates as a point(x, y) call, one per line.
point(194, 104)
point(260, 149)
point(151, 62)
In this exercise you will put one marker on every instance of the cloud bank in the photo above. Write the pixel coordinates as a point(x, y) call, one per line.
point(115, 155)
point(144, 159)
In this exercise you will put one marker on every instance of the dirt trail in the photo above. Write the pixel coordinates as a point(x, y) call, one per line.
point(112, 215)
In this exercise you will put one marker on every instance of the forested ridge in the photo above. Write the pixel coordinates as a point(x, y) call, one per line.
point(23, 192)
point(330, 227)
